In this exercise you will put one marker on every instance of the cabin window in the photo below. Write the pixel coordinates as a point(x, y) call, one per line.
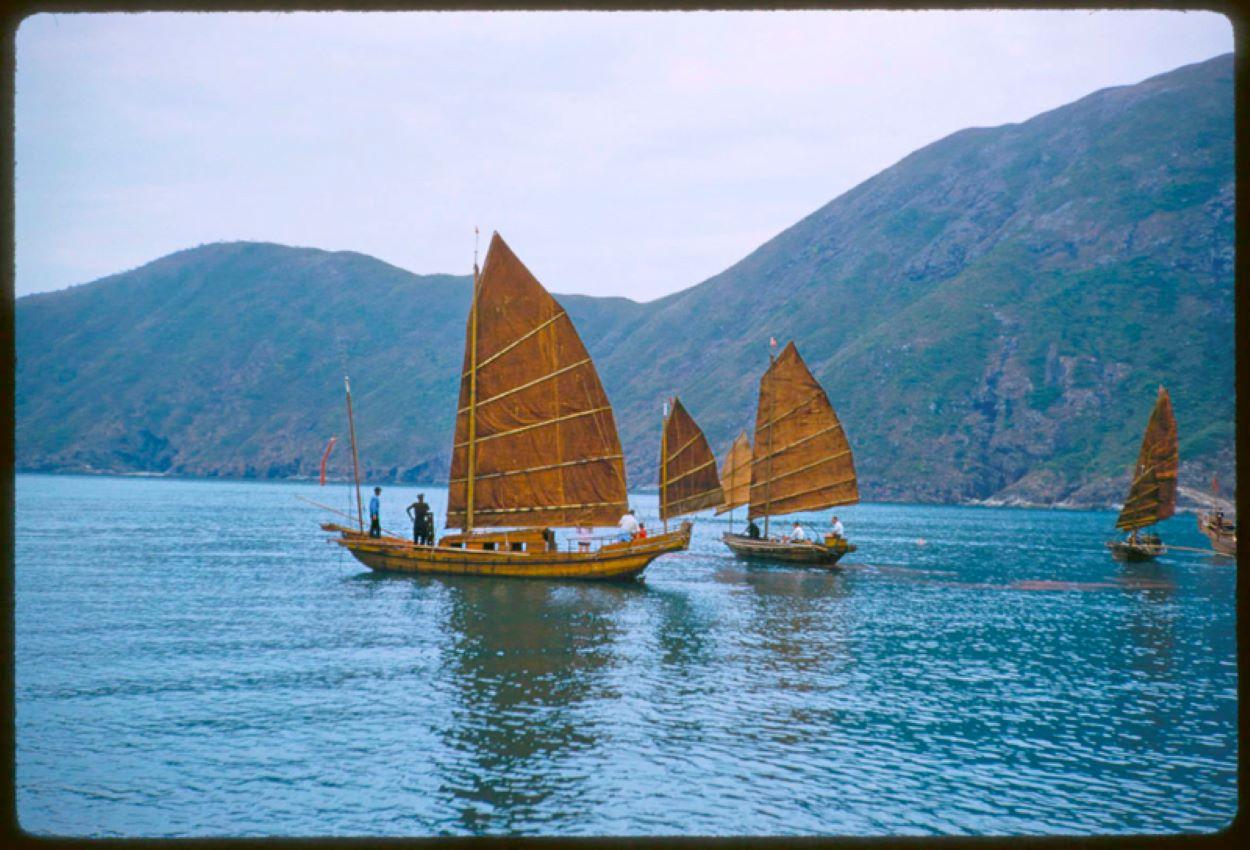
point(518, 547)
point(489, 547)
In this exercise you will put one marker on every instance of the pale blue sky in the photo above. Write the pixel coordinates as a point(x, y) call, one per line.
point(629, 154)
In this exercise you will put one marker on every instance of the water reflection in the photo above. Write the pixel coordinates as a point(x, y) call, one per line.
point(524, 656)
point(1150, 615)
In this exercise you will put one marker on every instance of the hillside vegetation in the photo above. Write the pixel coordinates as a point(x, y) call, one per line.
point(990, 316)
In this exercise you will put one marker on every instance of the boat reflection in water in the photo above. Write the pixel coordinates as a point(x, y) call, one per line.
point(523, 660)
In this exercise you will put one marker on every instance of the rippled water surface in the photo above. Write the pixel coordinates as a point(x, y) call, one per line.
point(193, 659)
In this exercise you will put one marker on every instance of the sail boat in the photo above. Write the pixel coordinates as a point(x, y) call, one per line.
point(535, 448)
point(735, 477)
point(1221, 531)
point(1152, 495)
point(688, 480)
point(801, 462)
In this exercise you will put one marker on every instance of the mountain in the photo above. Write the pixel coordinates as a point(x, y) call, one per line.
point(990, 316)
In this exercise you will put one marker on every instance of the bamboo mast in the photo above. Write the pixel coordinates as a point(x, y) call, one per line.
point(768, 448)
point(664, 466)
point(472, 448)
point(351, 427)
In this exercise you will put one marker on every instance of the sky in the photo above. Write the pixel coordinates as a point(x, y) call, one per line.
point(631, 154)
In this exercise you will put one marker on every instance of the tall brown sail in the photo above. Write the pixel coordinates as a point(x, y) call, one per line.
point(536, 442)
point(735, 474)
point(801, 460)
point(1152, 495)
point(688, 480)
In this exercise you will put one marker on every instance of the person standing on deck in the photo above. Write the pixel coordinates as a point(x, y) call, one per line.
point(583, 538)
point(838, 531)
point(628, 526)
point(375, 511)
point(753, 530)
point(417, 512)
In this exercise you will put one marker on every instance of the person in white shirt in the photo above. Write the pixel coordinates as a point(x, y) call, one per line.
point(837, 527)
point(629, 526)
point(797, 534)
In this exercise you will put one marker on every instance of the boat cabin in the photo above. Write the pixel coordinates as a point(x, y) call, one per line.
point(512, 540)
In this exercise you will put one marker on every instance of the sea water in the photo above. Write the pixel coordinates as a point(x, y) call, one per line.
point(192, 658)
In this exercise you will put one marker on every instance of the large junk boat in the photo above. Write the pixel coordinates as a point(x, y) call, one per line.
point(1152, 495)
point(801, 461)
point(535, 449)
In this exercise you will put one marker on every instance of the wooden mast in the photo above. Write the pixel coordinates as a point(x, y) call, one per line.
point(472, 447)
point(768, 447)
point(351, 428)
point(664, 465)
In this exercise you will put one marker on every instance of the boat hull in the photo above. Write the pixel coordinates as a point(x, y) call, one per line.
point(1222, 540)
point(1127, 551)
point(615, 561)
point(805, 554)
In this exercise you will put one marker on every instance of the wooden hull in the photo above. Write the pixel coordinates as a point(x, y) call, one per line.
point(1222, 539)
point(1127, 551)
point(615, 561)
point(809, 554)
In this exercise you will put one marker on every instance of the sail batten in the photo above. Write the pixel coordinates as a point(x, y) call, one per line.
point(1152, 495)
point(802, 460)
point(549, 455)
point(688, 479)
point(735, 474)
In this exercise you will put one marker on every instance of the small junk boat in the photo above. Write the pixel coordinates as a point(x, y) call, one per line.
point(535, 448)
point(1221, 531)
point(801, 462)
point(688, 480)
point(1152, 495)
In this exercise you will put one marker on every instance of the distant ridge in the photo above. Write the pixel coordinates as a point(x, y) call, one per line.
point(990, 317)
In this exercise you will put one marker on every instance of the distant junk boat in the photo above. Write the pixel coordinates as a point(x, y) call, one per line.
point(801, 462)
point(735, 477)
point(1221, 531)
point(688, 480)
point(535, 447)
point(1152, 495)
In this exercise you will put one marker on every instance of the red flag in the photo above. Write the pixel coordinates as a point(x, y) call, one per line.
point(324, 457)
point(772, 342)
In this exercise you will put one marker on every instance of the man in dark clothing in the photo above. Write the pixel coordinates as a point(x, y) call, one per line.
point(753, 530)
point(375, 510)
point(418, 511)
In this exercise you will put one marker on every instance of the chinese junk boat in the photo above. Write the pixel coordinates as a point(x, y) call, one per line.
point(1221, 531)
point(535, 448)
point(801, 462)
point(688, 480)
point(1152, 495)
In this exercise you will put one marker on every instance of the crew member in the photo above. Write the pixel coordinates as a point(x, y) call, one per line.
point(628, 526)
point(419, 513)
point(375, 511)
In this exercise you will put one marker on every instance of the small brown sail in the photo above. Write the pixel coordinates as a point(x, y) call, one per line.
point(688, 480)
point(1152, 495)
point(801, 460)
point(735, 474)
point(534, 429)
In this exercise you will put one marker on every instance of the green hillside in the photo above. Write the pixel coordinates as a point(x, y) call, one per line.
point(990, 317)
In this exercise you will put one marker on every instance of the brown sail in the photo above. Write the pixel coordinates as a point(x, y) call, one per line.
point(1152, 495)
point(535, 436)
point(688, 480)
point(802, 460)
point(735, 475)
